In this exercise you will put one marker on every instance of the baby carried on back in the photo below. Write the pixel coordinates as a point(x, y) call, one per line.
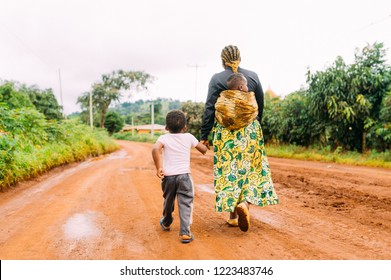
point(236, 107)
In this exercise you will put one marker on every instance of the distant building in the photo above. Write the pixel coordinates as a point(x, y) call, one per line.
point(271, 94)
point(145, 129)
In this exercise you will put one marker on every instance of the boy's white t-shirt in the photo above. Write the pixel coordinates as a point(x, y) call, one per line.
point(176, 152)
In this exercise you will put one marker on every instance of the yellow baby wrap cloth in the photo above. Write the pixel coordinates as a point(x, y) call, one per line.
point(235, 109)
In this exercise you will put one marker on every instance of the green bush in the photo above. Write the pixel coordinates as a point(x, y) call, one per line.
point(31, 145)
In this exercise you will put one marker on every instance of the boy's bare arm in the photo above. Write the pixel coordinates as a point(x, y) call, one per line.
point(157, 158)
point(206, 143)
point(201, 148)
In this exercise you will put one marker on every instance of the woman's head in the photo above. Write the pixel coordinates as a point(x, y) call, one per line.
point(230, 57)
point(175, 121)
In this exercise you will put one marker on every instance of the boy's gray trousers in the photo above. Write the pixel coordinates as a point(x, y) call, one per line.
point(180, 186)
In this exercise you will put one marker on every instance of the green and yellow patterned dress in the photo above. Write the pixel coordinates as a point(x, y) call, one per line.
point(241, 168)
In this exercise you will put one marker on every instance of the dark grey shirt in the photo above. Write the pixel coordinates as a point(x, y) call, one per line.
point(217, 84)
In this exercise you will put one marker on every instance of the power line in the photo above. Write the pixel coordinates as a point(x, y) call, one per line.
point(62, 103)
point(374, 23)
point(24, 44)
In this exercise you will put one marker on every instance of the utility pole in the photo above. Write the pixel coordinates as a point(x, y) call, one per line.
point(132, 127)
point(152, 118)
point(91, 119)
point(196, 66)
point(62, 104)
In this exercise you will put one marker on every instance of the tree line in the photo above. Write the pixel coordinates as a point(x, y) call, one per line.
point(15, 95)
point(344, 106)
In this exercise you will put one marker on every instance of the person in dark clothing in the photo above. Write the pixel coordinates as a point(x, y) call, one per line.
point(241, 170)
point(230, 56)
point(236, 107)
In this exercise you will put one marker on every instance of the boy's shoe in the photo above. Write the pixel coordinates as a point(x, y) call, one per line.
point(186, 238)
point(233, 222)
point(244, 216)
point(163, 226)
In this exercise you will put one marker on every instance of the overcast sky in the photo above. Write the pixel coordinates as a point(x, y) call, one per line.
point(83, 39)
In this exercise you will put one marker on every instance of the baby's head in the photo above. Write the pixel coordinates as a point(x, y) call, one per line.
point(176, 121)
point(237, 81)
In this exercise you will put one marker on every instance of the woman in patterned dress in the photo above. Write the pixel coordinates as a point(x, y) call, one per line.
point(241, 170)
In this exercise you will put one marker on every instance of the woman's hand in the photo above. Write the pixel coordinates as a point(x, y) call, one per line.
point(205, 142)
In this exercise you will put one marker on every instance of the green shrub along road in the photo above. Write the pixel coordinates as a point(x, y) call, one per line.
point(31, 145)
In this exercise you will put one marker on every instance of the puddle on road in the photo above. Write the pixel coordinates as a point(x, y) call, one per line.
point(208, 188)
point(81, 225)
point(138, 168)
point(118, 155)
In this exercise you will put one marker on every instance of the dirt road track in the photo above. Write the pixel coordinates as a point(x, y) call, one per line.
point(109, 208)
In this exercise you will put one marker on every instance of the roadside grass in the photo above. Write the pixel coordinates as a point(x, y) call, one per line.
point(370, 158)
point(147, 138)
point(74, 142)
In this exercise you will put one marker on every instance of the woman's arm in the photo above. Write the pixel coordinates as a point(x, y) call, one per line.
point(259, 96)
point(209, 114)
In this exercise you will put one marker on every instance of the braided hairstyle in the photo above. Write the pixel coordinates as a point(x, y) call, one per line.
point(230, 56)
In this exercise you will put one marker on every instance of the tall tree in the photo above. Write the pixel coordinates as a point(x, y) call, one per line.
point(370, 82)
point(296, 124)
point(110, 89)
point(113, 122)
point(44, 101)
point(328, 95)
point(271, 118)
point(14, 98)
point(194, 112)
point(347, 99)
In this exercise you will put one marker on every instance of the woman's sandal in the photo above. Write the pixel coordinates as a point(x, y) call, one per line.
point(244, 216)
point(233, 222)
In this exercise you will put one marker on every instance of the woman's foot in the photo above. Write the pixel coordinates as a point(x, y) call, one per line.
point(233, 219)
point(233, 222)
point(233, 215)
point(244, 216)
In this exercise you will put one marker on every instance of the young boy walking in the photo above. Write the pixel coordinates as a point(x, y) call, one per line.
point(174, 170)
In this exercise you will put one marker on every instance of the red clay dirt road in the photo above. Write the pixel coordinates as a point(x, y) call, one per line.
point(109, 208)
